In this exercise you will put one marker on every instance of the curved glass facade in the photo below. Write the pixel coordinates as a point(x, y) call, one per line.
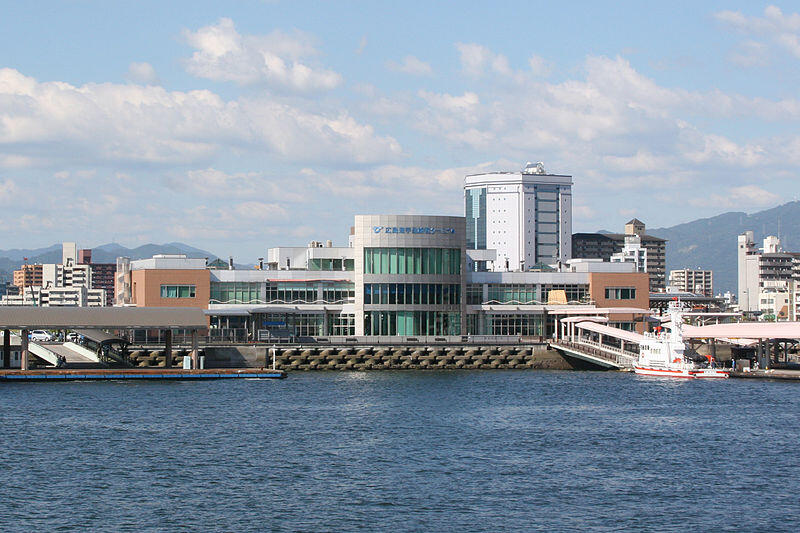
point(412, 261)
point(428, 323)
point(412, 294)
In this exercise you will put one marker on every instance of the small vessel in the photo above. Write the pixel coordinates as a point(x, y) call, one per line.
point(664, 353)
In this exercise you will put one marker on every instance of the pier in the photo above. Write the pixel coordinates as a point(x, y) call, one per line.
point(591, 341)
point(103, 374)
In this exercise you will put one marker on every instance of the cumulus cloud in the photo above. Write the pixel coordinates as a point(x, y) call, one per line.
point(745, 196)
point(779, 28)
point(411, 65)
point(143, 73)
point(51, 121)
point(614, 119)
point(277, 59)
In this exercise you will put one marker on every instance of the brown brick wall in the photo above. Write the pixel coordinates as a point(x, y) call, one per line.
point(146, 287)
point(598, 281)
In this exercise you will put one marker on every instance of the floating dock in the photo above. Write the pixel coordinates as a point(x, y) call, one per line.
point(131, 373)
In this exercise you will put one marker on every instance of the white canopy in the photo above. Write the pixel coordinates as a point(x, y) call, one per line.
point(744, 330)
point(627, 336)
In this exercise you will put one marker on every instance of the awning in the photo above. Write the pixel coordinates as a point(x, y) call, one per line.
point(744, 330)
point(627, 336)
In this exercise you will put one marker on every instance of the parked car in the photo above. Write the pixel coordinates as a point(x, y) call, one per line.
point(73, 337)
point(40, 335)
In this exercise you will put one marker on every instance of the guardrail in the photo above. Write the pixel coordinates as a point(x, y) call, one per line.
point(601, 351)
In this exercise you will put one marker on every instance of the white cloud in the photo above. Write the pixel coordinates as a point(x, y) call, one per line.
point(743, 197)
point(477, 60)
point(143, 73)
point(411, 65)
point(362, 45)
point(56, 121)
point(750, 54)
point(222, 54)
point(539, 66)
point(782, 29)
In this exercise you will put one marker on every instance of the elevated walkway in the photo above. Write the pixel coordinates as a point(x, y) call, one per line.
point(76, 358)
point(589, 340)
point(596, 354)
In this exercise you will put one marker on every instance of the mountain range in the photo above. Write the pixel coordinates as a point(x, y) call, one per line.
point(11, 260)
point(708, 243)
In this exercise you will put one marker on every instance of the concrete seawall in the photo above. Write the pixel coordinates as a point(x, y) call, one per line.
point(304, 358)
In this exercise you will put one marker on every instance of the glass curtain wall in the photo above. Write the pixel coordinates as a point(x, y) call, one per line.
point(412, 261)
point(429, 323)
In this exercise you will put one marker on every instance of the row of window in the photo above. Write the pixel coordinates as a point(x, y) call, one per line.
point(412, 294)
point(620, 293)
point(521, 294)
point(281, 292)
point(331, 264)
point(423, 323)
point(412, 261)
point(178, 291)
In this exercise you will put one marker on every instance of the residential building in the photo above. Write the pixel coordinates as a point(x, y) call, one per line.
point(632, 252)
point(69, 253)
point(525, 216)
point(767, 276)
point(103, 274)
point(59, 285)
point(28, 276)
point(695, 281)
point(605, 245)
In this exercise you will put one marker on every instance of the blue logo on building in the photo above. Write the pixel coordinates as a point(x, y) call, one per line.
point(413, 230)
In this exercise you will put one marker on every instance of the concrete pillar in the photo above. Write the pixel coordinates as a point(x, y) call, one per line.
point(6, 348)
point(714, 349)
point(168, 348)
point(195, 351)
point(24, 349)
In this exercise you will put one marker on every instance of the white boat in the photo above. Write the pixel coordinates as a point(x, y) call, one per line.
point(664, 353)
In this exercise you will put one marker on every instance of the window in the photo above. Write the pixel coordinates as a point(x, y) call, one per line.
point(620, 293)
point(412, 261)
point(178, 291)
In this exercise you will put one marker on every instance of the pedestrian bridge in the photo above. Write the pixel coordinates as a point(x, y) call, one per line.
point(589, 340)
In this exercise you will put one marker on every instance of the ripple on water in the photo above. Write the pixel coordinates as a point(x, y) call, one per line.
point(467, 451)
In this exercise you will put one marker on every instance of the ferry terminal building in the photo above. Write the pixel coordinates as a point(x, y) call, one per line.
point(402, 277)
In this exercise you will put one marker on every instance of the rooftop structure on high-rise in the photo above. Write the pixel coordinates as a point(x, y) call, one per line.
point(526, 216)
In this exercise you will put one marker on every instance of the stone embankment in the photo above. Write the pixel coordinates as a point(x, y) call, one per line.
point(301, 358)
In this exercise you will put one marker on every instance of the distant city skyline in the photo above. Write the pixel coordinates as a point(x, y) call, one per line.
point(238, 127)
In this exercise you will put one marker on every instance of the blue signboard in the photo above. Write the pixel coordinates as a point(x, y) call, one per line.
point(413, 230)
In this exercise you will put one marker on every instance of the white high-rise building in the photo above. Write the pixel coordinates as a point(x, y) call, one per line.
point(632, 252)
point(526, 216)
point(69, 253)
point(747, 254)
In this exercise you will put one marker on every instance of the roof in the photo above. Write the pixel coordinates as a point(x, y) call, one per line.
point(628, 336)
point(19, 317)
point(635, 221)
point(744, 330)
point(614, 237)
point(97, 335)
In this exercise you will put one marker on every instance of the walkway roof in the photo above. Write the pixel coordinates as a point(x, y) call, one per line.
point(584, 319)
point(744, 330)
point(28, 317)
point(627, 336)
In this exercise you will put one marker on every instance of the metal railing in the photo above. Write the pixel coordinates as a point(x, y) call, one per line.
point(601, 351)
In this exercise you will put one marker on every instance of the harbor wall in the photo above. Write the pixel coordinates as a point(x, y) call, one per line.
point(304, 358)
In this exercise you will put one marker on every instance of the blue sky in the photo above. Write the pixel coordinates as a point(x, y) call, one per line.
point(243, 125)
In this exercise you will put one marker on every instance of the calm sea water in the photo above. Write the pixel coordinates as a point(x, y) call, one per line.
point(407, 451)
